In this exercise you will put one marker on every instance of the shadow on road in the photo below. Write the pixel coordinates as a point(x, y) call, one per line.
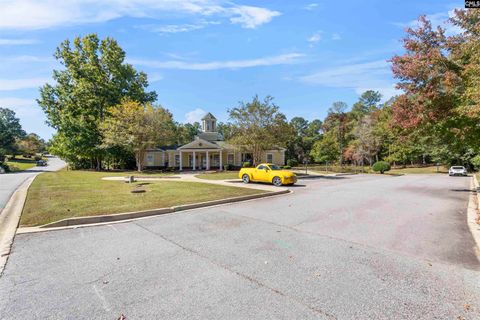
point(321, 177)
point(463, 190)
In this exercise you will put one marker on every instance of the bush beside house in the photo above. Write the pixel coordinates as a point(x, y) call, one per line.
point(381, 166)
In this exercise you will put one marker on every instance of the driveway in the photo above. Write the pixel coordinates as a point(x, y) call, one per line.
point(11, 181)
point(354, 247)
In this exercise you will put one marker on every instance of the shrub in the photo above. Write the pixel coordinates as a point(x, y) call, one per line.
point(227, 167)
point(286, 167)
point(247, 164)
point(37, 158)
point(292, 162)
point(476, 162)
point(381, 166)
point(5, 167)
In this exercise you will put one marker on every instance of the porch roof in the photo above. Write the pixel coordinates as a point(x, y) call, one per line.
point(200, 144)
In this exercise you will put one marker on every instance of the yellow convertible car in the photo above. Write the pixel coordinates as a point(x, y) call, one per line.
point(267, 172)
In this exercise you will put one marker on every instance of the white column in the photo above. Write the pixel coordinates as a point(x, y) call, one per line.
point(193, 160)
point(181, 161)
point(208, 161)
point(221, 165)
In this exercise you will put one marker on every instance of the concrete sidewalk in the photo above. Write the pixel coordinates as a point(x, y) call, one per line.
point(13, 192)
point(191, 177)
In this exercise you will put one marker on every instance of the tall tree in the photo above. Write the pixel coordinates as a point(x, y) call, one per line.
point(336, 122)
point(137, 128)
point(226, 129)
point(326, 149)
point(10, 131)
point(94, 78)
point(186, 132)
point(255, 126)
point(439, 76)
point(31, 144)
point(304, 135)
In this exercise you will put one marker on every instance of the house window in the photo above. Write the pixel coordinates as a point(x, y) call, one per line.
point(177, 160)
point(269, 157)
point(230, 159)
point(149, 160)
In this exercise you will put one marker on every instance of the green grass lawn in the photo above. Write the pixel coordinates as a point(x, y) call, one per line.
point(63, 194)
point(218, 175)
point(420, 170)
point(21, 163)
point(366, 169)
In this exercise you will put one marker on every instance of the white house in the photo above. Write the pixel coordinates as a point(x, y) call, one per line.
point(208, 151)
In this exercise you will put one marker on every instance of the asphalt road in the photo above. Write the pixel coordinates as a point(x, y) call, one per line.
point(11, 181)
point(356, 247)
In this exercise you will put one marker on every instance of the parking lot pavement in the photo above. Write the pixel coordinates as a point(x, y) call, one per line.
point(356, 247)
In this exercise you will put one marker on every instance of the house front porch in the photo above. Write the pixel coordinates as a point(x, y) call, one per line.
point(195, 159)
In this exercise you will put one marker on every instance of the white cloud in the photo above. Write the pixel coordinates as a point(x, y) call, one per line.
point(177, 28)
point(320, 35)
point(215, 65)
point(18, 84)
point(316, 37)
point(311, 6)
point(23, 108)
point(154, 77)
point(16, 42)
point(336, 36)
point(173, 28)
point(252, 17)
point(437, 19)
point(27, 58)
point(373, 75)
point(35, 14)
point(194, 115)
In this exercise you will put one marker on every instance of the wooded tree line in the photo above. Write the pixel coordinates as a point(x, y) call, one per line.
point(436, 119)
point(105, 116)
point(14, 140)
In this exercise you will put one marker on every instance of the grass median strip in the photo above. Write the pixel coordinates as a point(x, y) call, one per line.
point(64, 194)
point(20, 164)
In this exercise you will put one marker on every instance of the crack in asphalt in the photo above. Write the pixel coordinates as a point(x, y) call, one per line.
point(242, 275)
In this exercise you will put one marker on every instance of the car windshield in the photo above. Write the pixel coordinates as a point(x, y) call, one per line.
point(274, 167)
point(458, 168)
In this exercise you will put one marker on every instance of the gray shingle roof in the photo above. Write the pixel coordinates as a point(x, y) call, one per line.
point(209, 116)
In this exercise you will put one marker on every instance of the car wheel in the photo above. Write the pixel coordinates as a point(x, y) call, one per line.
point(245, 178)
point(277, 182)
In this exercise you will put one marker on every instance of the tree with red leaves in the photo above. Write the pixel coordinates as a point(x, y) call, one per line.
point(440, 78)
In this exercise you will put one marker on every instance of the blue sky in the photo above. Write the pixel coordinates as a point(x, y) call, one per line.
point(207, 55)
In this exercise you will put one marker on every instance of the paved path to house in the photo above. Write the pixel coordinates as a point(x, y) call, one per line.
point(9, 182)
point(353, 247)
point(191, 177)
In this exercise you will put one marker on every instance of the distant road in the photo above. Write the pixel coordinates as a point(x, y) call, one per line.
point(9, 182)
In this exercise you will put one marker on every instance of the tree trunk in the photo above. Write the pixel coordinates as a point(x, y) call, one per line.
point(139, 156)
point(139, 163)
point(98, 163)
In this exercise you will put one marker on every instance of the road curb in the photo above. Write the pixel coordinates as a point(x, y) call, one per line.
point(472, 214)
point(10, 219)
point(102, 219)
